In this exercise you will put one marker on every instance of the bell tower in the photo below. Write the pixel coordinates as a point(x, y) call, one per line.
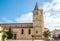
point(38, 22)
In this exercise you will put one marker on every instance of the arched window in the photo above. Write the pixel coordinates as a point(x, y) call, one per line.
point(22, 31)
point(36, 32)
point(29, 32)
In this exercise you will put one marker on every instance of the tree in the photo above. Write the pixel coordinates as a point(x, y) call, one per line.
point(32, 37)
point(47, 34)
point(9, 33)
point(59, 36)
point(4, 36)
point(0, 31)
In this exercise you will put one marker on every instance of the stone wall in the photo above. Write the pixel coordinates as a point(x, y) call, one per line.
point(24, 40)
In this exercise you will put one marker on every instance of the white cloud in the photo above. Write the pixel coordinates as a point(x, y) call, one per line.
point(1, 22)
point(25, 18)
point(47, 6)
point(7, 20)
point(47, 14)
point(52, 22)
point(52, 18)
point(56, 7)
point(56, 1)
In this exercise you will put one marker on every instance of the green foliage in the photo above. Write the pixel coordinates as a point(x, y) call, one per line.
point(59, 36)
point(4, 35)
point(0, 31)
point(9, 33)
point(47, 34)
point(32, 35)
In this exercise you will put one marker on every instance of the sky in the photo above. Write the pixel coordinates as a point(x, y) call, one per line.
point(20, 11)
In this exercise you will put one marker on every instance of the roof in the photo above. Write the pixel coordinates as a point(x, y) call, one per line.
point(25, 25)
point(36, 7)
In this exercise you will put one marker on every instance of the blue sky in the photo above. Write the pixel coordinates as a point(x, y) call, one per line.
point(21, 11)
point(14, 8)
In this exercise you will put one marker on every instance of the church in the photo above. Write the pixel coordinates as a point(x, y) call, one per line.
point(26, 30)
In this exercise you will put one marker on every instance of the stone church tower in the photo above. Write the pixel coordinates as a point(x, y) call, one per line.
point(38, 22)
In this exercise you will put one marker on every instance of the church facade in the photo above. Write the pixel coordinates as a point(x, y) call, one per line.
point(26, 30)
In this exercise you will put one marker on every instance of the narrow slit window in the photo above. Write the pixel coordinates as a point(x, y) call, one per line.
point(29, 32)
point(22, 31)
point(36, 31)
